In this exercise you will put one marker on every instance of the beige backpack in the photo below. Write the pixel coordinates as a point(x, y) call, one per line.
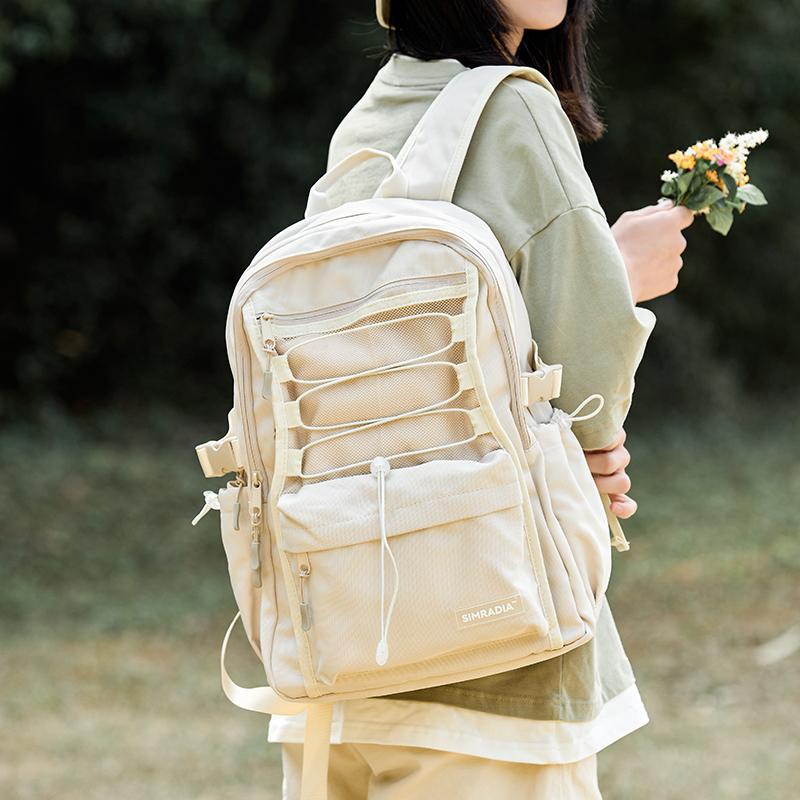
point(408, 508)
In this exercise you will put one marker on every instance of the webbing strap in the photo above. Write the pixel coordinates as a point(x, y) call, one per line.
point(316, 750)
point(434, 153)
point(261, 698)
point(618, 539)
point(319, 717)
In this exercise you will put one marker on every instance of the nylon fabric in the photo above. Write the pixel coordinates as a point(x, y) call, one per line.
point(373, 328)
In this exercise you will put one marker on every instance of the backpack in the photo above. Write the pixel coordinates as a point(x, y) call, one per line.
point(408, 508)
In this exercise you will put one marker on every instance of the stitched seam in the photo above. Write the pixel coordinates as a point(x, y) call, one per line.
point(544, 141)
point(555, 219)
point(568, 200)
point(466, 651)
point(552, 160)
point(421, 502)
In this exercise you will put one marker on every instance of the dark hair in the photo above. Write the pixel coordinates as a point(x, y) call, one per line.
point(473, 31)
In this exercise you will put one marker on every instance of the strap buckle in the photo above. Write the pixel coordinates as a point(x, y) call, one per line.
point(217, 458)
point(542, 385)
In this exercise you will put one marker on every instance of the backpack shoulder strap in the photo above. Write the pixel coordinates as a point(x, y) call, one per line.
point(434, 153)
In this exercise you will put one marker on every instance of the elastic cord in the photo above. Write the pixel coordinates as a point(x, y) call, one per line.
point(565, 420)
point(380, 467)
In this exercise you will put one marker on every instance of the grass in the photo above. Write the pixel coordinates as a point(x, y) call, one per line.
point(112, 609)
point(713, 574)
point(128, 715)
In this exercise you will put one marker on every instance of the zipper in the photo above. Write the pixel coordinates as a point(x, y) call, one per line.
point(256, 500)
point(268, 345)
point(252, 458)
point(237, 506)
point(256, 273)
point(451, 279)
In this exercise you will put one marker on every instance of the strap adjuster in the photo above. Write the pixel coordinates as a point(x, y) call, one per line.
point(542, 385)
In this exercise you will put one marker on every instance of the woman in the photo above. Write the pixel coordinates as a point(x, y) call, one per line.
point(531, 732)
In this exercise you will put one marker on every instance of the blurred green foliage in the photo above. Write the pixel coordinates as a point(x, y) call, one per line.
point(671, 74)
point(150, 148)
point(100, 535)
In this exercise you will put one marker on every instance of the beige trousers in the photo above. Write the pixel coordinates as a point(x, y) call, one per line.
point(382, 772)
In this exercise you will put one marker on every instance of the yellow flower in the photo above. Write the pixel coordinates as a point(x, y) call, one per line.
point(683, 160)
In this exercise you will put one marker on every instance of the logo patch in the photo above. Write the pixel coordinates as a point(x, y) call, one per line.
point(489, 612)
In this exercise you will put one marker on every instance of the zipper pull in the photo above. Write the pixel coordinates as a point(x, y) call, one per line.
point(237, 506)
point(237, 510)
point(255, 557)
point(255, 523)
point(268, 345)
point(305, 611)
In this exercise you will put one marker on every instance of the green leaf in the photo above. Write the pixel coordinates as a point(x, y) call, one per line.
point(752, 194)
point(701, 165)
point(730, 182)
point(699, 180)
point(734, 206)
point(720, 219)
point(669, 189)
point(704, 197)
point(684, 180)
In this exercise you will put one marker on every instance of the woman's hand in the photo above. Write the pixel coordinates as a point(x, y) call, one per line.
point(651, 244)
point(608, 470)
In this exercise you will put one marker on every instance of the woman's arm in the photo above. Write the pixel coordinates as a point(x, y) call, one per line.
point(651, 244)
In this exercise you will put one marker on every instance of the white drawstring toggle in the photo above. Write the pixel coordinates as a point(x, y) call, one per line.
point(565, 421)
point(380, 469)
point(212, 501)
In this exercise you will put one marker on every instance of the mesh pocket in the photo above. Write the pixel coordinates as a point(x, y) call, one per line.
point(385, 384)
point(359, 350)
point(432, 433)
point(378, 396)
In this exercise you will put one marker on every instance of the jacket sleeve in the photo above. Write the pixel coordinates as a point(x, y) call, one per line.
point(525, 177)
point(582, 316)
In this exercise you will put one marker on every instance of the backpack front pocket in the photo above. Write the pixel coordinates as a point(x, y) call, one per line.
point(440, 564)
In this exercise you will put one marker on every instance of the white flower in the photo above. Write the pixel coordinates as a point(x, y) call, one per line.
point(736, 167)
point(744, 142)
point(668, 175)
point(755, 138)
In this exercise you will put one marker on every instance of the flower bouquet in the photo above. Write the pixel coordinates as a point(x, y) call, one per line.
point(712, 179)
